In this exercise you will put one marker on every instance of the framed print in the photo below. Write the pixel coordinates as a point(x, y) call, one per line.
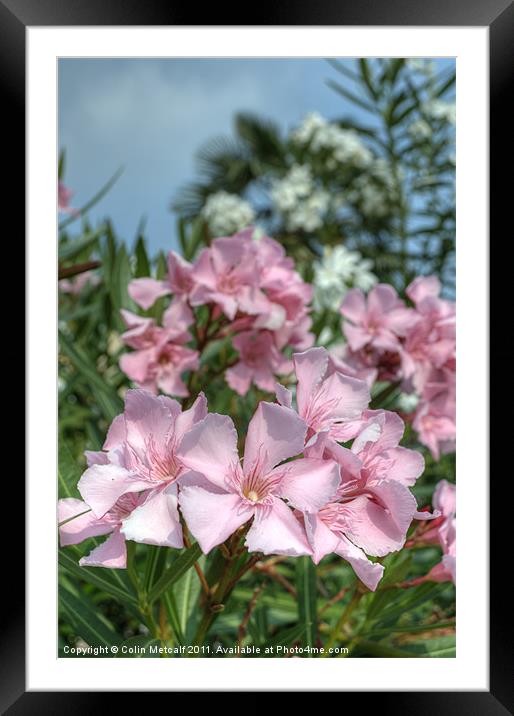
point(257, 312)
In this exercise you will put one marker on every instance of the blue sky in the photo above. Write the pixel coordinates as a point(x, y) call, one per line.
point(151, 116)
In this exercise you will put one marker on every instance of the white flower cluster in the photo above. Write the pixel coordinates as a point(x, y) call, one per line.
point(299, 200)
point(420, 129)
point(375, 190)
point(344, 145)
point(227, 213)
point(438, 109)
point(421, 64)
point(339, 270)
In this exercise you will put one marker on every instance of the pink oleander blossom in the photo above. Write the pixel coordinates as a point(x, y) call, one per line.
point(225, 274)
point(80, 523)
point(377, 321)
point(327, 400)
point(430, 344)
point(179, 281)
point(160, 357)
point(372, 509)
point(140, 454)
point(434, 421)
point(76, 285)
point(259, 362)
point(221, 494)
point(341, 360)
point(64, 195)
point(444, 534)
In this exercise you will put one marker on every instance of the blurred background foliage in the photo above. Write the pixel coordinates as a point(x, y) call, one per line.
point(384, 189)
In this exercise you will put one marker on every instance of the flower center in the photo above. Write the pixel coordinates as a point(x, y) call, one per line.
point(229, 283)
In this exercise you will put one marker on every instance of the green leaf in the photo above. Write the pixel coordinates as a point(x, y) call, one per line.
point(62, 165)
point(366, 76)
point(307, 607)
point(445, 85)
point(106, 396)
point(353, 98)
point(93, 627)
point(97, 577)
point(186, 592)
point(120, 279)
point(70, 249)
point(340, 67)
point(174, 617)
point(179, 567)
point(142, 261)
point(68, 471)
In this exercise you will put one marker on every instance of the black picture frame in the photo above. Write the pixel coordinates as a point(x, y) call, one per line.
point(498, 15)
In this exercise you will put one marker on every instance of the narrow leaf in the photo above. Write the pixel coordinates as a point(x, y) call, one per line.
point(179, 567)
point(306, 589)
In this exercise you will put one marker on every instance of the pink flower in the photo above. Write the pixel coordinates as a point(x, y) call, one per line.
point(221, 494)
point(434, 421)
point(179, 281)
point(444, 500)
point(225, 274)
point(64, 198)
point(259, 362)
point(81, 523)
point(328, 401)
point(372, 509)
point(140, 455)
point(378, 321)
point(431, 341)
point(342, 361)
point(295, 333)
point(160, 357)
point(75, 285)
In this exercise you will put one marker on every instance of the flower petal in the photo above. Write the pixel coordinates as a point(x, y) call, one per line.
point(185, 421)
point(148, 415)
point(146, 291)
point(156, 521)
point(356, 336)
point(380, 527)
point(322, 540)
point(212, 517)
point(423, 287)
point(96, 457)
point(368, 572)
point(112, 553)
point(310, 367)
point(284, 395)
point(275, 530)
point(83, 526)
point(381, 299)
point(308, 484)
point(354, 305)
point(116, 434)
point(274, 434)
point(383, 430)
point(239, 378)
point(444, 498)
point(102, 485)
point(345, 398)
point(403, 465)
point(210, 447)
